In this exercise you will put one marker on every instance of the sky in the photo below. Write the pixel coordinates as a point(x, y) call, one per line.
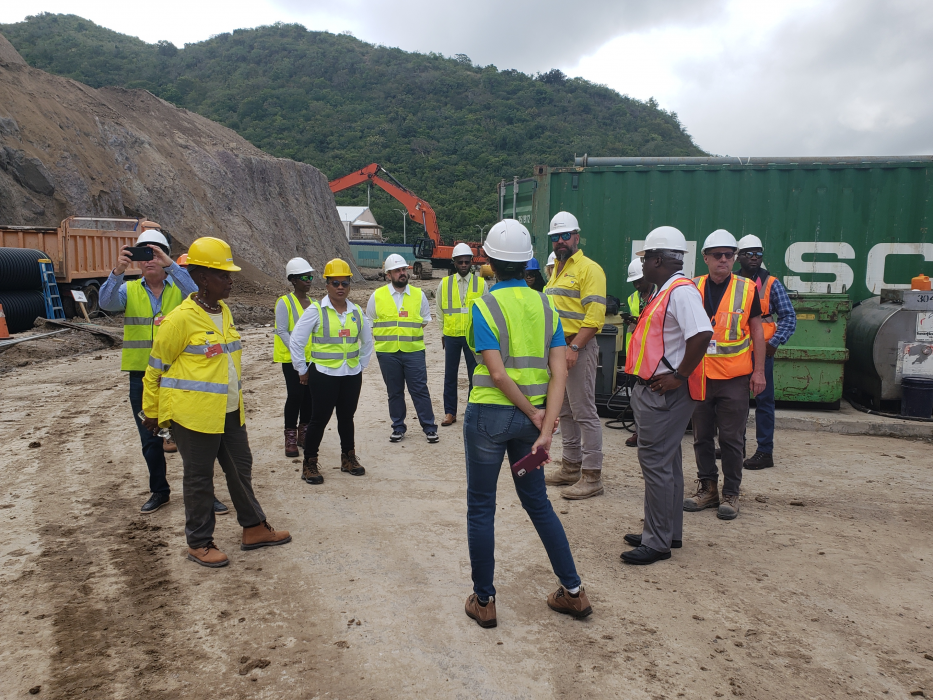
point(745, 77)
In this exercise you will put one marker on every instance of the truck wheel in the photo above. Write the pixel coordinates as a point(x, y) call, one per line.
point(92, 292)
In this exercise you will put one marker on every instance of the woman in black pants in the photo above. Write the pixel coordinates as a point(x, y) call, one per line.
point(288, 309)
point(341, 345)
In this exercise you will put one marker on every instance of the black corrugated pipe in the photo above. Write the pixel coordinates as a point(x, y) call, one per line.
point(19, 269)
point(596, 161)
point(22, 309)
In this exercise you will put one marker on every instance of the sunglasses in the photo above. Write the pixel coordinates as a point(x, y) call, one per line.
point(305, 278)
point(561, 236)
point(728, 255)
point(339, 284)
point(753, 254)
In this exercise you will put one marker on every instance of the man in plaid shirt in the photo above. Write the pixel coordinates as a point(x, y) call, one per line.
point(774, 302)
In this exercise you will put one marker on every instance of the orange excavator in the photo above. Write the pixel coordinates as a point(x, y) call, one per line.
point(430, 252)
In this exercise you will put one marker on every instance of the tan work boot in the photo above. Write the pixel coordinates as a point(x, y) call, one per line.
point(485, 615)
point(707, 496)
point(208, 556)
point(578, 605)
point(728, 507)
point(569, 473)
point(310, 474)
point(169, 446)
point(589, 485)
point(263, 535)
point(349, 463)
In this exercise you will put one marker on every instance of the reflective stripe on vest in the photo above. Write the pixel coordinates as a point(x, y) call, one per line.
point(768, 324)
point(524, 347)
point(646, 346)
point(139, 330)
point(280, 352)
point(456, 311)
point(324, 343)
point(395, 333)
point(731, 356)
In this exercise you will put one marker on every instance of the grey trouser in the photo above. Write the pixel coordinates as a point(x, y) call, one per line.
point(725, 408)
point(198, 452)
point(580, 428)
point(661, 422)
point(407, 368)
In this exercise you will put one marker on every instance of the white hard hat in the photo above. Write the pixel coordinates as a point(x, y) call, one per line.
point(462, 249)
point(664, 238)
point(153, 236)
point(551, 258)
point(509, 241)
point(563, 222)
point(720, 238)
point(750, 241)
point(635, 271)
point(297, 266)
point(394, 262)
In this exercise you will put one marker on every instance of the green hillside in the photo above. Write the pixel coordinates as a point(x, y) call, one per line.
point(447, 129)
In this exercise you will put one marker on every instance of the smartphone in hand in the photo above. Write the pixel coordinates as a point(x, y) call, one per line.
point(139, 253)
point(530, 462)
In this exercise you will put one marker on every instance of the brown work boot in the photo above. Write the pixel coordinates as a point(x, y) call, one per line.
point(349, 463)
point(263, 535)
point(589, 485)
point(310, 473)
point(485, 615)
point(208, 556)
point(291, 442)
point(302, 431)
point(569, 473)
point(707, 496)
point(169, 446)
point(728, 507)
point(632, 440)
point(578, 605)
point(449, 419)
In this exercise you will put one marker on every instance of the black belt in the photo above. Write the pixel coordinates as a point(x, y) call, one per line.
point(643, 382)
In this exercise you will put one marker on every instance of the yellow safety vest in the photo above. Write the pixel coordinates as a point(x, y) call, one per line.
point(187, 378)
point(334, 343)
point(139, 323)
point(398, 330)
point(456, 312)
point(730, 351)
point(280, 352)
point(634, 307)
point(524, 322)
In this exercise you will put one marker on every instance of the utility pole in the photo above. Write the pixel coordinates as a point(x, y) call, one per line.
point(404, 223)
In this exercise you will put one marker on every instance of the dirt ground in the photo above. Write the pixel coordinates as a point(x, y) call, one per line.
point(820, 589)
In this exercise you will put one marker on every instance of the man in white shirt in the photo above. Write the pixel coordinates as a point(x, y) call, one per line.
point(341, 348)
point(399, 313)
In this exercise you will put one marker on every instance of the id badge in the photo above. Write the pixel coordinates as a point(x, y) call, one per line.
point(403, 313)
point(213, 350)
point(158, 320)
point(344, 333)
point(711, 348)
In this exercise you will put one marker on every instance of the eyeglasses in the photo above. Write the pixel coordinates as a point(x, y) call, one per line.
point(728, 255)
point(305, 278)
point(565, 236)
point(753, 253)
point(335, 283)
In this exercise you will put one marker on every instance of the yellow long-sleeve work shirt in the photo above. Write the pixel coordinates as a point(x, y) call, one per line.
point(579, 293)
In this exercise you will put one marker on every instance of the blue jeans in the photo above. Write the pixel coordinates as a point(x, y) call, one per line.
point(407, 368)
point(764, 411)
point(489, 431)
point(454, 346)
point(152, 444)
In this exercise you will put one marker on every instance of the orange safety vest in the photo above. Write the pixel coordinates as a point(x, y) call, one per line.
point(646, 349)
point(764, 296)
point(730, 351)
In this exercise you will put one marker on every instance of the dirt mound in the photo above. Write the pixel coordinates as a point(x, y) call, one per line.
point(68, 149)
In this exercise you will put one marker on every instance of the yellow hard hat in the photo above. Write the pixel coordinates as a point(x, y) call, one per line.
point(337, 268)
point(486, 272)
point(212, 252)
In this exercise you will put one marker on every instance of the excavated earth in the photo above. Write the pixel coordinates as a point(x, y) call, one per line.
point(820, 589)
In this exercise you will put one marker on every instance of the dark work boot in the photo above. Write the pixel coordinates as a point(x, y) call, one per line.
point(350, 464)
point(302, 431)
point(291, 442)
point(310, 473)
point(759, 460)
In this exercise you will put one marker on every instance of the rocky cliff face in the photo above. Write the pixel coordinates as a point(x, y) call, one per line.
point(68, 149)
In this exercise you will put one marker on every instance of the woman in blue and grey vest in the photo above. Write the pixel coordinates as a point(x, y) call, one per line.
point(518, 390)
point(288, 309)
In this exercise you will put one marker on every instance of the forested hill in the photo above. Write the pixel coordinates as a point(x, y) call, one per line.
point(447, 129)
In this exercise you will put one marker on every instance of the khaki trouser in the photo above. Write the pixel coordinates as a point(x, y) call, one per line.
point(580, 428)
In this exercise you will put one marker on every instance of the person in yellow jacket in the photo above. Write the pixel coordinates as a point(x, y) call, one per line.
point(578, 288)
point(399, 312)
point(455, 296)
point(193, 385)
point(288, 309)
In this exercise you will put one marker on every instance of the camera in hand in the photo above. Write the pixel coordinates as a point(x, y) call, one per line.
point(139, 253)
point(628, 318)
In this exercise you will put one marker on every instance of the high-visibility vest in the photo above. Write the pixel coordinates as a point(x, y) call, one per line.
point(398, 330)
point(141, 325)
point(187, 379)
point(646, 346)
point(334, 343)
point(280, 351)
point(634, 307)
point(456, 311)
point(730, 350)
point(524, 322)
point(764, 297)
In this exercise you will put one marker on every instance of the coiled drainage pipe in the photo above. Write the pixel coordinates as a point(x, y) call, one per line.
point(19, 270)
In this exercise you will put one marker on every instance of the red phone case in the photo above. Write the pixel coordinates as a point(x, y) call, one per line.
point(530, 462)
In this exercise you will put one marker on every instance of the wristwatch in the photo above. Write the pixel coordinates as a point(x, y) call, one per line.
point(574, 347)
point(678, 376)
